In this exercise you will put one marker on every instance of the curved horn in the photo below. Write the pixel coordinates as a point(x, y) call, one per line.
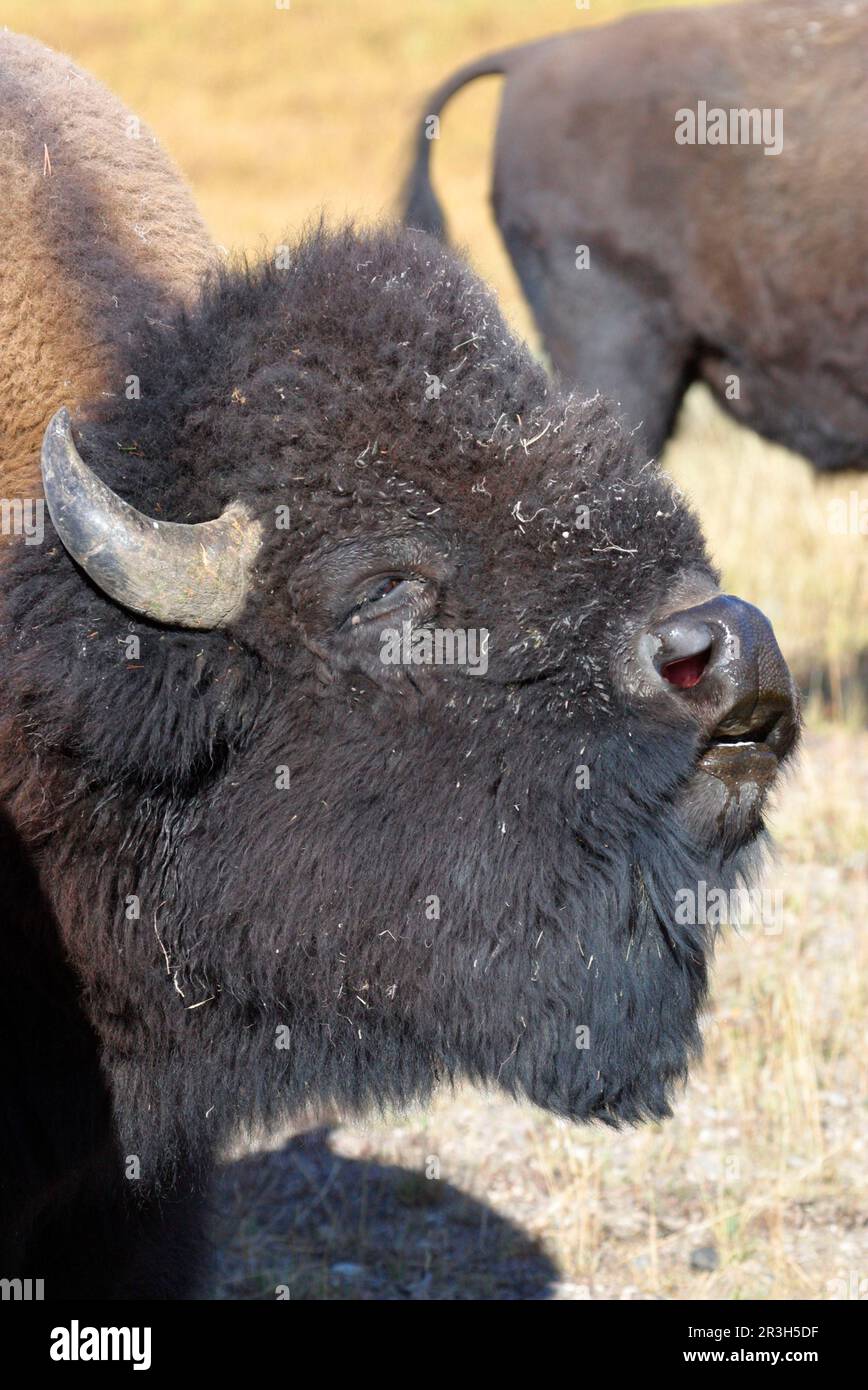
point(194, 576)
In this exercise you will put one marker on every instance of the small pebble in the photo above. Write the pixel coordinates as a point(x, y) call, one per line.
point(348, 1271)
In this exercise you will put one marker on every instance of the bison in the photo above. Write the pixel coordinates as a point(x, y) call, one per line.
point(248, 867)
point(681, 195)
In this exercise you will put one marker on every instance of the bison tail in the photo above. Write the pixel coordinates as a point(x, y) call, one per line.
point(420, 206)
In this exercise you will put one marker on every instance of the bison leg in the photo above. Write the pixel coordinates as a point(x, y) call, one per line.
point(106, 1241)
point(168, 1255)
point(609, 330)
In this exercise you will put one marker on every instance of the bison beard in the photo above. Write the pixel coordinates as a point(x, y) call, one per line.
point(193, 945)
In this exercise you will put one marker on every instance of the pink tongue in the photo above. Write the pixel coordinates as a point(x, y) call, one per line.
point(686, 673)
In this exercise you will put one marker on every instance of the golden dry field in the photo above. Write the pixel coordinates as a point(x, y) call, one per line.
point(756, 1188)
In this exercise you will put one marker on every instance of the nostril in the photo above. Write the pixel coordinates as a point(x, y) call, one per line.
point(682, 649)
point(688, 670)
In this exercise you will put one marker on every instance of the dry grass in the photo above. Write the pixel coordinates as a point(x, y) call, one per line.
point(274, 114)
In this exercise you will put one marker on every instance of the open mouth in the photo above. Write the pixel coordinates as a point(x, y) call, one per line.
point(747, 754)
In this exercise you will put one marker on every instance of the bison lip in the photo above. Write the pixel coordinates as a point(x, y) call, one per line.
point(724, 798)
point(739, 757)
point(740, 761)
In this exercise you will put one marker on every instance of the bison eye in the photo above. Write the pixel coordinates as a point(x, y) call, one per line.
point(384, 586)
point(383, 595)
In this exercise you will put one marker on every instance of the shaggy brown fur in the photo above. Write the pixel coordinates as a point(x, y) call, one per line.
point(706, 261)
point(97, 228)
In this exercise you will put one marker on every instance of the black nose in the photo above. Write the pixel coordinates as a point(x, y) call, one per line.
point(722, 659)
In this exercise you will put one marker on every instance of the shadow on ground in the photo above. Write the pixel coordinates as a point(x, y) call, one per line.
point(328, 1227)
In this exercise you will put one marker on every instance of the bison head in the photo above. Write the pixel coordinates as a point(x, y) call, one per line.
point(364, 858)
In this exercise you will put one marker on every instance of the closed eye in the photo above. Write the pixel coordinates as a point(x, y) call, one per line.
point(386, 586)
point(385, 594)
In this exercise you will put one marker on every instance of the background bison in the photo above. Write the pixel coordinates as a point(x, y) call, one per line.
point(738, 264)
point(247, 868)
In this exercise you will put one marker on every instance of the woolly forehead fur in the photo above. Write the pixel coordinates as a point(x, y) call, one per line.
point(306, 388)
point(372, 385)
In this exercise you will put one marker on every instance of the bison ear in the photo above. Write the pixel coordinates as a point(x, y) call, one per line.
point(193, 576)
